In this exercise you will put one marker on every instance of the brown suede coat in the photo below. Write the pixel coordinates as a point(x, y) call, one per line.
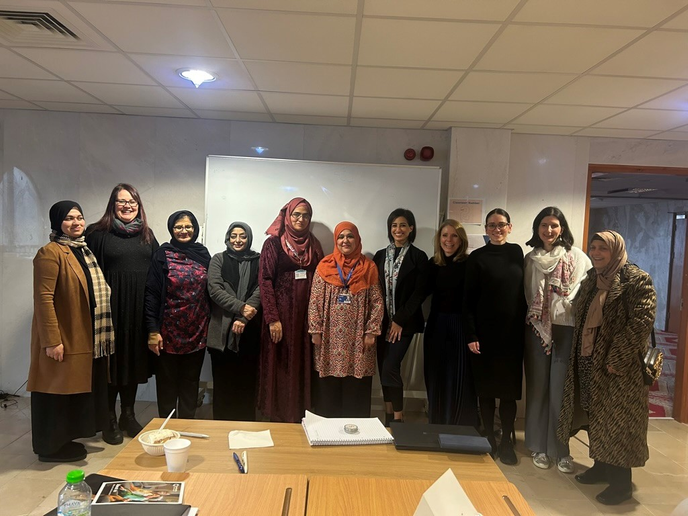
point(62, 315)
point(618, 412)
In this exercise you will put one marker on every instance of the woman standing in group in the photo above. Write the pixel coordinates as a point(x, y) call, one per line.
point(344, 315)
point(554, 270)
point(234, 331)
point(448, 378)
point(494, 312)
point(401, 266)
point(288, 261)
point(124, 245)
point(177, 315)
point(71, 339)
point(614, 313)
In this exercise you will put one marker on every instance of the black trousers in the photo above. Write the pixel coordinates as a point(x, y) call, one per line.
point(389, 357)
point(615, 475)
point(235, 377)
point(177, 379)
point(343, 397)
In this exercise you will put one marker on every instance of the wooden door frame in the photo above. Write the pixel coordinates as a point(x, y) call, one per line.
point(681, 384)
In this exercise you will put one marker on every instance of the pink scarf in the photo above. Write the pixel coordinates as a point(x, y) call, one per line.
point(297, 244)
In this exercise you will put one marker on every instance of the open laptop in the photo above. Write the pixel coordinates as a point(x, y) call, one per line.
point(445, 438)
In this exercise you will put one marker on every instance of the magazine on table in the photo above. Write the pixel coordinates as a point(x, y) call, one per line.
point(139, 491)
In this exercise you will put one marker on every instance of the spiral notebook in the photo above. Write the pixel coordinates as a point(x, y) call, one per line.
point(322, 431)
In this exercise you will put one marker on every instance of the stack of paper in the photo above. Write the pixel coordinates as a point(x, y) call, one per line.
point(321, 431)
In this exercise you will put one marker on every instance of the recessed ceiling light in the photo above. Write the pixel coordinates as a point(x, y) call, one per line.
point(198, 77)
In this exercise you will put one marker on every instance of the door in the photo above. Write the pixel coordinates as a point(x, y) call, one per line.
point(678, 245)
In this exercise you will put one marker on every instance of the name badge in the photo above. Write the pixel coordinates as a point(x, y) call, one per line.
point(344, 299)
point(301, 274)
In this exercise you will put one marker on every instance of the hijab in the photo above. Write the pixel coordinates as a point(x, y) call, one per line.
point(364, 270)
point(246, 253)
point(240, 268)
point(299, 243)
point(59, 211)
point(192, 250)
point(605, 279)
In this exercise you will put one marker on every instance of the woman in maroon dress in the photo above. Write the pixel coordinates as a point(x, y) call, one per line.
point(287, 264)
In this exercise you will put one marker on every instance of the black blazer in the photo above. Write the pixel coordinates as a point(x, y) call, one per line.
point(410, 292)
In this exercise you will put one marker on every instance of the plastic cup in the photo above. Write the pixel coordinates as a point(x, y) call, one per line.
point(176, 454)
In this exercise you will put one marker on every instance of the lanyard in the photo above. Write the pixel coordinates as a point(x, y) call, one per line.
point(293, 251)
point(341, 275)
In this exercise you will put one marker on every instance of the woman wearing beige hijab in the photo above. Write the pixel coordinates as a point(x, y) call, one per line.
point(615, 312)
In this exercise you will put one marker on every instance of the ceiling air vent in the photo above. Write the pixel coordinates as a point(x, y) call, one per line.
point(30, 27)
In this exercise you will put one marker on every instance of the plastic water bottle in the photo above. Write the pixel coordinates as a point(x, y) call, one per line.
point(75, 497)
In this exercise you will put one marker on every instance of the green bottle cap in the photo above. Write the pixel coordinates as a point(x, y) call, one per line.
point(75, 476)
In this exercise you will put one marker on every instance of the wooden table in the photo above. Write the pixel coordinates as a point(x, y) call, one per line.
point(292, 455)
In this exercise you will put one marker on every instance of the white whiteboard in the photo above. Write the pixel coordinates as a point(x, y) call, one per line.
point(253, 190)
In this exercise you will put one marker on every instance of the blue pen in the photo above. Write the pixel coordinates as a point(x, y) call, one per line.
point(238, 463)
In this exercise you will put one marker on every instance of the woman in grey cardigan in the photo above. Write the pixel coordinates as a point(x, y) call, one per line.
point(234, 331)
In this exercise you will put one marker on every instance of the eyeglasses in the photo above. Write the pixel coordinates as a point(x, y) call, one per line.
point(180, 228)
point(299, 216)
point(122, 203)
point(500, 225)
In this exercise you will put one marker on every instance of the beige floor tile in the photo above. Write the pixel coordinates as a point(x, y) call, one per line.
point(20, 445)
point(17, 426)
point(13, 465)
point(562, 507)
point(630, 507)
point(660, 464)
point(660, 509)
point(21, 494)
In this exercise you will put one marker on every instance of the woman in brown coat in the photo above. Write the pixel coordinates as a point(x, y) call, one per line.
point(71, 339)
point(615, 312)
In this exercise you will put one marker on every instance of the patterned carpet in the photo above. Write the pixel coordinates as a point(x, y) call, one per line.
point(662, 392)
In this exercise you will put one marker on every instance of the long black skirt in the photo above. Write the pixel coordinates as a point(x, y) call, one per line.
point(57, 419)
point(448, 378)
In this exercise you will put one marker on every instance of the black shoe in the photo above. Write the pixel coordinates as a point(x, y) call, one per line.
point(506, 451)
point(388, 419)
point(112, 434)
point(614, 495)
point(70, 452)
point(128, 423)
point(594, 475)
point(493, 446)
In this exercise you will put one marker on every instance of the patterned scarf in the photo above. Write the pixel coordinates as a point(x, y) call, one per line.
point(132, 228)
point(104, 332)
point(549, 272)
point(392, 267)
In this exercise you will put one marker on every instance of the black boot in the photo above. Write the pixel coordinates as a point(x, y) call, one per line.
point(388, 418)
point(112, 434)
point(595, 475)
point(506, 451)
point(127, 421)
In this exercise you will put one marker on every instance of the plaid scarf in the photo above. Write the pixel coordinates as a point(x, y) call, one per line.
point(103, 328)
point(392, 267)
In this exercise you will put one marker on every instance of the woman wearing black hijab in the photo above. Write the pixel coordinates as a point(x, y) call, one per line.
point(177, 314)
point(234, 332)
point(71, 338)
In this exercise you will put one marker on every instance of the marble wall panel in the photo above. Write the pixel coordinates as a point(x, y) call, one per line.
point(626, 151)
point(281, 140)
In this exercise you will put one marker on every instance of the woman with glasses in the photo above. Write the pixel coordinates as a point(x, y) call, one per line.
point(71, 340)
point(287, 264)
point(124, 245)
point(494, 312)
point(401, 266)
point(177, 315)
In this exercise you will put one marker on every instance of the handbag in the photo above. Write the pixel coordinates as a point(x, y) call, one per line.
point(652, 363)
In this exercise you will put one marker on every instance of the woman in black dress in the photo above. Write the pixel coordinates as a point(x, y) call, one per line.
point(123, 245)
point(494, 312)
point(448, 378)
point(401, 266)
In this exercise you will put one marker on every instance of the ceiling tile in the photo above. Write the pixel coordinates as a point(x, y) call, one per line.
point(615, 133)
point(628, 13)
point(130, 95)
point(300, 77)
point(613, 91)
point(296, 104)
point(233, 115)
point(229, 72)
point(670, 135)
point(54, 91)
point(541, 129)
point(566, 115)
point(656, 119)
point(422, 44)
point(271, 36)
point(679, 22)
point(446, 125)
point(79, 108)
point(84, 65)
point(676, 100)
point(510, 87)
point(404, 83)
point(155, 111)
point(494, 10)
point(553, 49)
point(197, 3)
point(393, 108)
point(17, 104)
point(7, 96)
point(158, 30)
point(381, 122)
point(649, 57)
point(14, 66)
point(310, 120)
point(311, 6)
point(485, 112)
point(219, 100)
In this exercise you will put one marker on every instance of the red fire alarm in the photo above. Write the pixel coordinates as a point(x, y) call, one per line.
point(427, 153)
point(410, 154)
